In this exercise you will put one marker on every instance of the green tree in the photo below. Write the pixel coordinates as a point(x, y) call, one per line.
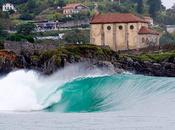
point(77, 36)
point(154, 7)
point(140, 6)
point(3, 33)
point(167, 38)
point(61, 3)
point(25, 29)
point(31, 5)
point(1, 30)
point(1, 44)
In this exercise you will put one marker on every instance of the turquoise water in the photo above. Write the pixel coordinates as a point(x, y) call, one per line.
point(79, 99)
point(112, 93)
point(74, 89)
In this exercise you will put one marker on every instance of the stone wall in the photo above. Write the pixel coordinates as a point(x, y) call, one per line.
point(148, 40)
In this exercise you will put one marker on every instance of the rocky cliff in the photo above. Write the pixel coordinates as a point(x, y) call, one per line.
point(49, 58)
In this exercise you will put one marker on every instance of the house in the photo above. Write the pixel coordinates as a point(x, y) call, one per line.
point(42, 26)
point(8, 7)
point(170, 28)
point(70, 9)
point(122, 31)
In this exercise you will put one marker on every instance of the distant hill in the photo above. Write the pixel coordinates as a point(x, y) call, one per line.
point(46, 9)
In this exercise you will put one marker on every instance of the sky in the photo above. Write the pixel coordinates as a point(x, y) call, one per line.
point(168, 3)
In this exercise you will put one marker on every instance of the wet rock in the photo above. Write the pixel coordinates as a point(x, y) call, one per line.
point(156, 66)
point(106, 65)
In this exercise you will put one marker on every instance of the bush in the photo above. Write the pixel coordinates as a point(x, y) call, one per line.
point(77, 36)
point(1, 44)
point(26, 16)
point(167, 38)
point(19, 37)
point(25, 29)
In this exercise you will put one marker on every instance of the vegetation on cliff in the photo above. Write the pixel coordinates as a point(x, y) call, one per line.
point(49, 61)
point(155, 57)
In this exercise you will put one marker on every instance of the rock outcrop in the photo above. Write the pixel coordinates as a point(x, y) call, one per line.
point(47, 59)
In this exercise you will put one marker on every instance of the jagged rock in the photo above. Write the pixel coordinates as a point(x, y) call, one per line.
point(156, 66)
point(104, 64)
point(51, 60)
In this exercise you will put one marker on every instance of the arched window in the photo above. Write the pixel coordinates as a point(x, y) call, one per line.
point(143, 40)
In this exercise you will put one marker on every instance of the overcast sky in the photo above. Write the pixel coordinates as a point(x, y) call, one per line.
point(168, 3)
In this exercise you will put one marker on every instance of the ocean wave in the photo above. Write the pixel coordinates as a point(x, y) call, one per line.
point(78, 89)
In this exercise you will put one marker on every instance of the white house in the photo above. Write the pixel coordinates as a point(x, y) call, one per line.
point(70, 9)
point(170, 28)
point(8, 7)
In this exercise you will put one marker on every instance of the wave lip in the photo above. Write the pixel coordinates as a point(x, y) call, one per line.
point(120, 93)
point(81, 89)
point(25, 90)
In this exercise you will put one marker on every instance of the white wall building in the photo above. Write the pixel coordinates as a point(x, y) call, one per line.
point(8, 7)
point(170, 28)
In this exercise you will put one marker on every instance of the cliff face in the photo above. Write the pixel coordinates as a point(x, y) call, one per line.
point(48, 59)
point(7, 60)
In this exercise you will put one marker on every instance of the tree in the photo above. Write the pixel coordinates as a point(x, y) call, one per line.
point(1, 30)
point(154, 7)
point(167, 38)
point(25, 29)
point(77, 36)
point(3, 33)
point(31, 5)
point(61, 3)
point(140, 6)
point(26, 16)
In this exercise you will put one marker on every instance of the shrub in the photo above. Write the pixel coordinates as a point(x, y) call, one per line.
point(26, 16)
point(1, 44)
point(167, 38)
point(77, 36)
point(20, 37)
point(26, 28)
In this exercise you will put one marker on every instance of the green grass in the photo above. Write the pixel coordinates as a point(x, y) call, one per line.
point(155, 57)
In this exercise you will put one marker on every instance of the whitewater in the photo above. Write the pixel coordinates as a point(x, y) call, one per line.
point(89, 98)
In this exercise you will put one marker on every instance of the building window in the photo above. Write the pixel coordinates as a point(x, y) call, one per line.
point(143, 40)
point(147, 40)
point(120, 27)
point(109, 27)
point(131, 27)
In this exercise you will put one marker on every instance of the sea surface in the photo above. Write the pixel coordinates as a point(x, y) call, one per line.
point(82, 98)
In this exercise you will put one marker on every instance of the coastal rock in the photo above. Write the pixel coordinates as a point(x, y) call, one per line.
point(156, 66)
point(105, 65)
point(47, 62)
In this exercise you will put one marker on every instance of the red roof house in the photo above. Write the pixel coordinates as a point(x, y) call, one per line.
point(70, 9)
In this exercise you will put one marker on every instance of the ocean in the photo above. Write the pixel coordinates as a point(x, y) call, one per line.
point(80, 98)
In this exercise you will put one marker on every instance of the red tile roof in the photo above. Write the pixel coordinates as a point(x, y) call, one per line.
point(145, 30)
point(72, 6)
point(116, 18)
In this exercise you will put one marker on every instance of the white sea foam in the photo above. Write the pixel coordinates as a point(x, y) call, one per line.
point(28, 90)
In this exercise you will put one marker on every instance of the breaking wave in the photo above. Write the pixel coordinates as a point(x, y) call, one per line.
point(79, 89)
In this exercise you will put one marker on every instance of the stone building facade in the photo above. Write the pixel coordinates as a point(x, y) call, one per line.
point(122, 32)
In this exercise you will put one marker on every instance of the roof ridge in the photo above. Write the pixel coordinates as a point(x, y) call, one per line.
point(116, 18)
point(146, 30)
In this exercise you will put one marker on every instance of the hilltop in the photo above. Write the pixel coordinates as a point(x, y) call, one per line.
point(29, 11)
point(47, 9)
